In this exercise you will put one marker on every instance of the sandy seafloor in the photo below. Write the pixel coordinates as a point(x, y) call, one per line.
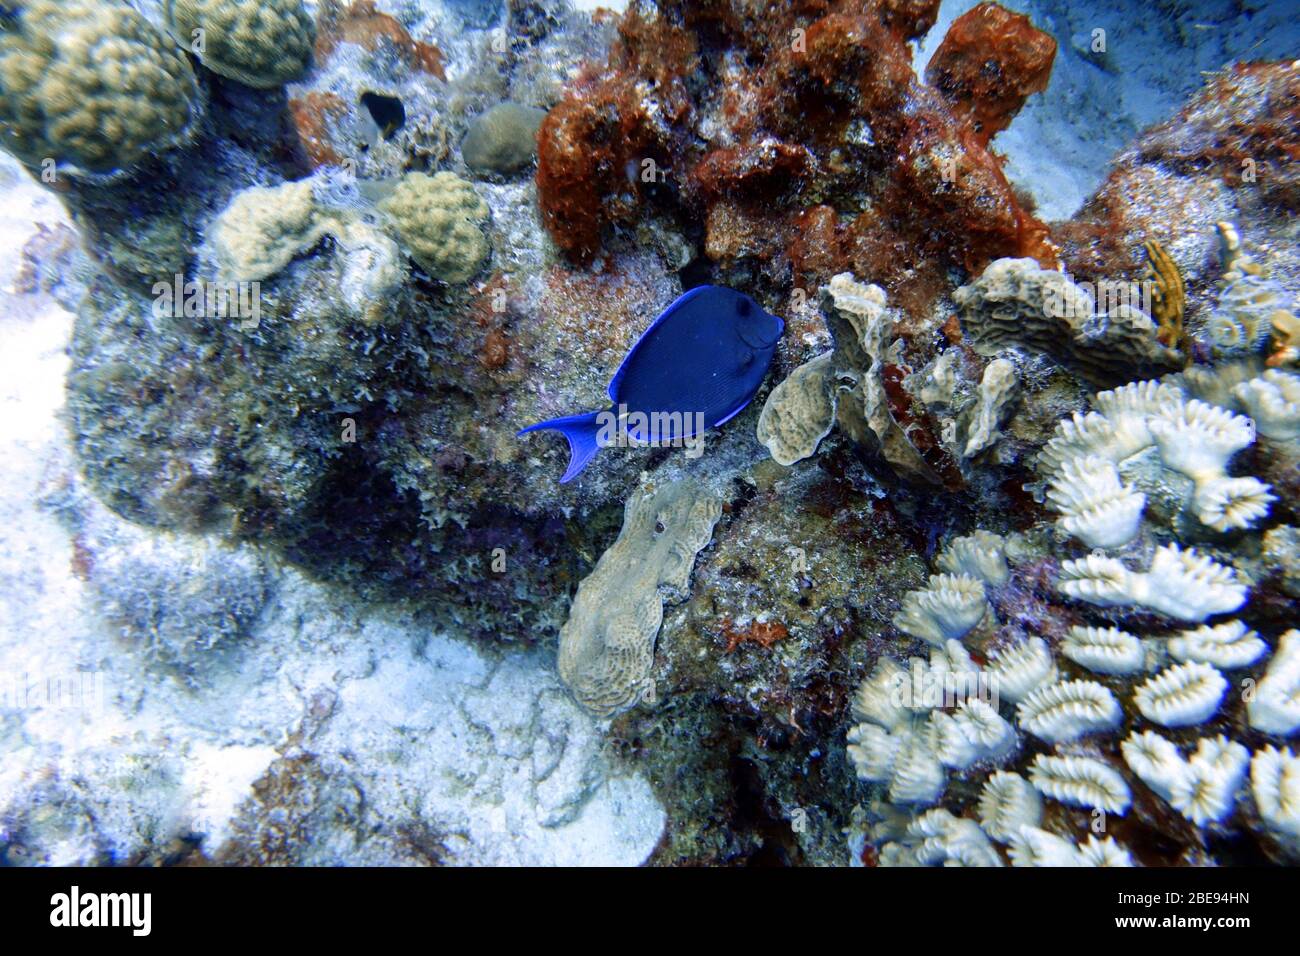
point(425, 748)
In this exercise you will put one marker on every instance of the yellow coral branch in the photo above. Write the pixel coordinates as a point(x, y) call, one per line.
point(1169, 298)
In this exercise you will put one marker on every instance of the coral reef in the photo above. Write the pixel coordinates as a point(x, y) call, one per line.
point(1080, 719)
point(91, 86)
point(290, 516)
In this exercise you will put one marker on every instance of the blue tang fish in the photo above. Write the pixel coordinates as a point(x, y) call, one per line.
point(696, 367)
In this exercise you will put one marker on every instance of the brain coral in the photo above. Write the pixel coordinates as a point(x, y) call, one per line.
point(262, 43)
point(437, 217)
point(607, 644)
point(503, 139)
point(91, 85)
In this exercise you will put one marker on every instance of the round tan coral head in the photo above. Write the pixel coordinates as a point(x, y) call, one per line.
point(90, 88)
point(439, 220)
point(260, 43)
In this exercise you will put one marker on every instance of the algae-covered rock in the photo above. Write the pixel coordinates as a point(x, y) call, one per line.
point(179, 598)
point(503, 139)
point(438, 218)
point(261, 43)
point(90, 85)
point(607, 645)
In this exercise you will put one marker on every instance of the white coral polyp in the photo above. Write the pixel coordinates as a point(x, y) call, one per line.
point(985, 728)
point(1007, 803)
point(1035, 847)
point(872, 750)
point(1181, 695)
point(1081, 782)
point(879, 698)
point(1059, 713)
point(946, 610)
point(1154, 760)
point(1227, 646)
point(948, 840)
point(979, 555)
point(918, 776)
point(950, 743)
point(1206, 792)
point(1189, 586)
point(1129, 406)
point(1098, 580)
point(1227, 504)
point(1275, 706)
point(1275, 784)
point(1181, 584)
point(1104, 650)
point(1197, 439)
point(1104, 853)
point(1273, 401)
point(1095, 505)
point(1015, 671)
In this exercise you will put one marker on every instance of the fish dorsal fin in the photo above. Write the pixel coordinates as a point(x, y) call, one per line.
point(664, 316)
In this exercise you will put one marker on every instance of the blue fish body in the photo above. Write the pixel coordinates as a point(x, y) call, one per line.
point(697, 366)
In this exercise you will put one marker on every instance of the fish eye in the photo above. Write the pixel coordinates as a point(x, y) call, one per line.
point(744, 306)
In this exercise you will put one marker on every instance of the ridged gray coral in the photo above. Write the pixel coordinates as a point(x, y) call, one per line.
point(607, 644)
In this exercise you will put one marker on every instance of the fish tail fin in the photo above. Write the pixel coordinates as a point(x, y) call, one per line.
point(582, 432)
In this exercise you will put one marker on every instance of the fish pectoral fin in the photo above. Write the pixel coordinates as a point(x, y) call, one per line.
point(582, 432)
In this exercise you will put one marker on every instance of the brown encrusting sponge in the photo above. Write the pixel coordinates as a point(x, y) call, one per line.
point(800, 142)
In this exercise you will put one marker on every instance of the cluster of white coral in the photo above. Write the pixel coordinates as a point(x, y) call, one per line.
point(1086, 461)
point(908, 741)
point(905, 738)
